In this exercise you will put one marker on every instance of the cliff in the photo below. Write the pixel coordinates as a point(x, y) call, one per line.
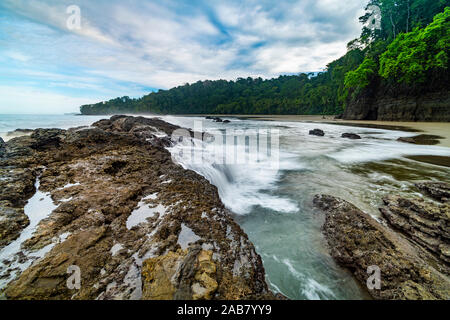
point(384, 105)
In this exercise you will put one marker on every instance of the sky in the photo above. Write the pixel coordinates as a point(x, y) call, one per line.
point(133, 47)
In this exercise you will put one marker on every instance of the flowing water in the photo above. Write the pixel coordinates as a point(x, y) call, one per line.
point(275, 209)
point(272, 198)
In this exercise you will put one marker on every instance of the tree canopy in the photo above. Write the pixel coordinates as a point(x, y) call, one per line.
point(410, 46)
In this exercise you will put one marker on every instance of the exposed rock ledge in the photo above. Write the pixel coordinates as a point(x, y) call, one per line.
point(104, 181)
point(380, 104)
point(408, 270)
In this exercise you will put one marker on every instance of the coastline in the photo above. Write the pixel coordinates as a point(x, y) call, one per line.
point(123, 212)
point(441, 129)
point(99, 230)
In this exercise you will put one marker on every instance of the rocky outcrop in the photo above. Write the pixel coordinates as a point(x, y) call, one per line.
point(379, 104)
point(317, 132)
point(16, 187)
point(437, 190)
point(136, 224)
point(357, 241)
point(424, 222)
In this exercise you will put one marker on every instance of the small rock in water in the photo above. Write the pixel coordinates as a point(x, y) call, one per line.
point(422, 139)
point(352, 136)
point(317, 132)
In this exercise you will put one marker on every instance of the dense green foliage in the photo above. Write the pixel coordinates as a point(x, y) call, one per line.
point(361, 77)
point(414, 57)
point(408, 48)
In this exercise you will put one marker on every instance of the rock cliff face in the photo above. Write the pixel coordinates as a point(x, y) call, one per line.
point(413, 264)
point(137, 225)
point(382, 106)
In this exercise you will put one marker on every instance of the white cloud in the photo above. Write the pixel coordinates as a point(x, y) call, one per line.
point(34, 101)
point(165, 44)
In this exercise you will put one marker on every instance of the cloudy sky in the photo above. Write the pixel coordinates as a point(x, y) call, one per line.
point(131, 47)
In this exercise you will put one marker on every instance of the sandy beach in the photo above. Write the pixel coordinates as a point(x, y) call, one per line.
point(441, 129)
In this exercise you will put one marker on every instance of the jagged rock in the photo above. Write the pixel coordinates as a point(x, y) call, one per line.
point(47, 138)
point(352, 136)
point(124, 210)
point(426, 223)
point(12, 222)
point(437, 190)
point(357, 241)
point(16, 187)
point(184, 275)
point(2, 148)
point(317, 132)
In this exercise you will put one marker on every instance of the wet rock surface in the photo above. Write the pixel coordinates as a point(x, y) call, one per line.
point(437, 190)
point(424, 222)
point(2, 147)
point(352, 136)
point(317, 132)
point(16, 187)
point(422, 139)
point(357, 241)
point(137, 225)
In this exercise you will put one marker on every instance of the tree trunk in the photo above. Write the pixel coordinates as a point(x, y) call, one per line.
point(393, 24)
point(409, 14)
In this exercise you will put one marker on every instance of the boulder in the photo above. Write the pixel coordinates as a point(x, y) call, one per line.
point(352, 136)
point(317, 132)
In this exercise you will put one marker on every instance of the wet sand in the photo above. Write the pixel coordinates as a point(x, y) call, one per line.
point(441, 129)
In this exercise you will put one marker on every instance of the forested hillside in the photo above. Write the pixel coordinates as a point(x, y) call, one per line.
point(408, 53)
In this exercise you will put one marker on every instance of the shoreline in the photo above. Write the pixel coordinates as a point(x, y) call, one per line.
point(441, 129)
point(106, 239)
point(123, 212)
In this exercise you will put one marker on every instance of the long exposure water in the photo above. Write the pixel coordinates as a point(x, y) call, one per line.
point(275, 207)
point(273, 204)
